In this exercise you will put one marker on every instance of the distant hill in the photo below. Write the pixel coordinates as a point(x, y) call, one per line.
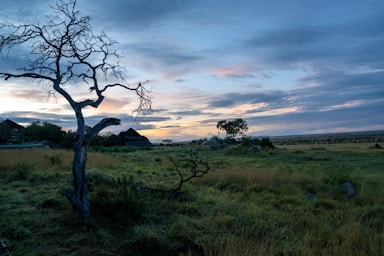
point(331, 138)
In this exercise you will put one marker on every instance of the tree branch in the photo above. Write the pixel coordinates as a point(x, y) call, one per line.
point(28, 75)
point(100, 126)
point(198, 169)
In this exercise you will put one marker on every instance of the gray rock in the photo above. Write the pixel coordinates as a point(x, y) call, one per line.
point(213, 144)
point(350, 189)
point(255, 148)
point(311, 195)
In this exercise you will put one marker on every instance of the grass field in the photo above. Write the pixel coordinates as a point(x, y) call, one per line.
point(286, 202)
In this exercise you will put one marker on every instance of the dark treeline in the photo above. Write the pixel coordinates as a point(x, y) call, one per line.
point(45, 131)
point(362, 137)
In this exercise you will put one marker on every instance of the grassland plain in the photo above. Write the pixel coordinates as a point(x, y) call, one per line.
point(286, 202)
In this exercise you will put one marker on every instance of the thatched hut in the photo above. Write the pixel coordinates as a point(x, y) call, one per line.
point(133, 138)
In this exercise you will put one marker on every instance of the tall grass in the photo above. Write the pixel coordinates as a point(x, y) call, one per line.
point(290, 203)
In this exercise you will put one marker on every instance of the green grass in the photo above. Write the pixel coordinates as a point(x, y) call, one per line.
point(251, 204)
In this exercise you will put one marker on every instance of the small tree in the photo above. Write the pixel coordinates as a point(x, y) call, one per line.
point(233, 128)
point(68, 52)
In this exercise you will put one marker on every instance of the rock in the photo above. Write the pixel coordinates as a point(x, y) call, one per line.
point(213, 144)
point(349, 189)
point(311, 195)
point(3, 249)
point(255, 148)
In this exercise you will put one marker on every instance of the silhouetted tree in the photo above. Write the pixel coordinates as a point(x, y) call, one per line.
point(38, 131)
point(68, 139)
point(233, 128)
point(66, 51)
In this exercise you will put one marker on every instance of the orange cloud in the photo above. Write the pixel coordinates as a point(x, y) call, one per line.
point(230, 71)
point(187, 130)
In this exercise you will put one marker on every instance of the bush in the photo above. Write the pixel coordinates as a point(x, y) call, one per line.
point(22, 170)
point(266, 143)
point(54, 159)
point(115, 149)
point(113, 198)
point(249, 141)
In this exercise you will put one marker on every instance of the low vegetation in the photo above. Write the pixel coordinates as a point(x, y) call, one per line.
point(287, 200)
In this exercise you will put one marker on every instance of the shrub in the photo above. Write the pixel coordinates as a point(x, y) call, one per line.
point(22, 169)
point(54, 159)
point(249, 141)
point(115, 198)
point(266, 143)
point(115, 149)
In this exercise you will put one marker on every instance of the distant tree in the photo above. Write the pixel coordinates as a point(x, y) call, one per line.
point(113, 140)
point(68, 139)
point(97, 141)
point(233, 128)
point(110, 140)
point(65, 51)
point(38, 131)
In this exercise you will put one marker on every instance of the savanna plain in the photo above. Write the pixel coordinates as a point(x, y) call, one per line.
point(284, 201)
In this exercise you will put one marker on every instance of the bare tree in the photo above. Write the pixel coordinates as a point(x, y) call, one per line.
point(68, 52)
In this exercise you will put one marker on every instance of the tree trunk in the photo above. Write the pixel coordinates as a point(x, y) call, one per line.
point(79, 197)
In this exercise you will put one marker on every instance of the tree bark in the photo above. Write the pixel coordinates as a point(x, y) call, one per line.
point(79, 197)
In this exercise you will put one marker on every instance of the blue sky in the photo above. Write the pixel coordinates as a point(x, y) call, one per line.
point(286, 67)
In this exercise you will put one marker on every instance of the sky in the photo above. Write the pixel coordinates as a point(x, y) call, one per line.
point(285, 67)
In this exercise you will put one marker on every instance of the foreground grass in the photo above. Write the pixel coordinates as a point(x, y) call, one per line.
point(289, 203)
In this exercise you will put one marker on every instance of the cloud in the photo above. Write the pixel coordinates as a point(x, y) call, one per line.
point(336, 88)
point(353, 39)
point(194, 112)
point(232, 99)
point(233, 72)
point(27, 117)
point(133, 14)
point(37, 94)
point(164, 53)
point(112, 105)
point(148, 119)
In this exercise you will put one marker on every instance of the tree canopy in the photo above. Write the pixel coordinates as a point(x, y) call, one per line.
point(233, 128)
point(38, 131)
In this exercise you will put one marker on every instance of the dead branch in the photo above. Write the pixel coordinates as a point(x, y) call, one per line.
point(198, 168)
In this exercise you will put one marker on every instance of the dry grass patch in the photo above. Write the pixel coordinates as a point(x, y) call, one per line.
point(46, 158)
point(99, 160)
point(262, 178)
